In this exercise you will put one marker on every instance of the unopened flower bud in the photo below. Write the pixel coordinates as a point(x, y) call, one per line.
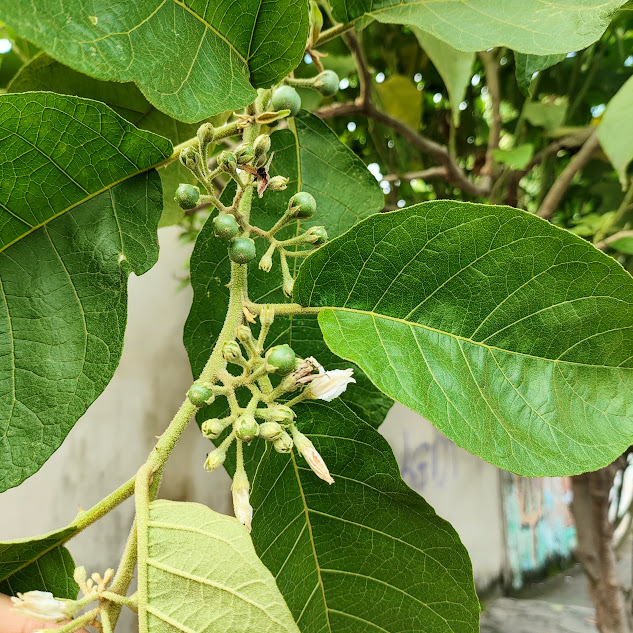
point(270, 431)
point(246, 428)
point(277, 183)
point(206, 134)
point(212, 428)
point(261, 146)
point(215, 459)
point(267, 315)
point(311, 455)
point(41, 605)
point(232, 353)
point(227, 161)
point(283, 444)
point(266, 262)
point(200, 394)
point(241, 503)
point(282, 414)
point(244, 335)
point(330, 384)
point(189, 158)
point(287, 287)
point(244, 154)
point(80, 575)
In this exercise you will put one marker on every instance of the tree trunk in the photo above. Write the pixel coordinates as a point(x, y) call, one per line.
point(595, 549)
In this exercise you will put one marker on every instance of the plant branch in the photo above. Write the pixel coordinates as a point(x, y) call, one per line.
point(557, 191)
point(333, 31)
point(620, 215)
point(423, 174)
point(491, 68)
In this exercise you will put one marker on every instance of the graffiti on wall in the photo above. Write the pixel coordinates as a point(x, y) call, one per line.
point(539, 523)
point(428, 463)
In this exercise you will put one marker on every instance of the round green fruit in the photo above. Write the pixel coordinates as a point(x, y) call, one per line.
point(200, 394)
point(246, 428)
point(305, 203)
point(321, 235)
point(225, 226)
point(286, 98)
point(282, 358)
point(327, 83)
point(187, 196)
point(242, 250)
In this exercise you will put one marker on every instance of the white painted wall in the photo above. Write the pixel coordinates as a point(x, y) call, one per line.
point(462, 488)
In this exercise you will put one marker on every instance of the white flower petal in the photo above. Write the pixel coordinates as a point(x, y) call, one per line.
point(331, 384)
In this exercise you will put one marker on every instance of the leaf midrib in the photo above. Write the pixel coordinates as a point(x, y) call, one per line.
point(457, 337)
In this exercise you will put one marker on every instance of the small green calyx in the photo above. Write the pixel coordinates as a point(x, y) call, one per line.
point(277, 183)
point(282, 414)
point(246, 428)
point(189, 158)
point(227, 161)
point(283, 444)
point(242, 250)
point(244, 155)
point(225, 226)
point(215, 459)
point(317, 235)
point(206, 134)
point(270, 431)
point(286, 98)
point(305, 205)
point(326, 83)
point(232, 353)
point(212, 428)
point(261, 147)
point(200, 394)
point(281, 359)
point(187, 196)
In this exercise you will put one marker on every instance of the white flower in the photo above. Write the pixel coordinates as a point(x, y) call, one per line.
point(241, 503)
point(41, 605)
point(315, 461)
point(330, 384)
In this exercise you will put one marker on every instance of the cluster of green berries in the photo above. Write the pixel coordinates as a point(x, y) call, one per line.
point(287, 98)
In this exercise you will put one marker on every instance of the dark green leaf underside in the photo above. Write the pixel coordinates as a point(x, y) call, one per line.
point(365, 554)
point(190, 59)
point(513, 337)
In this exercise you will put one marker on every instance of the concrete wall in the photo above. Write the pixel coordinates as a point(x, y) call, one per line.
point(462, 488)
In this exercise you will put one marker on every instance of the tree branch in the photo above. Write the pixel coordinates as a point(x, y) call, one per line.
point(555, 194)
point(361, 65)
point(605, 243)
point(423, 174)
point(491, 68)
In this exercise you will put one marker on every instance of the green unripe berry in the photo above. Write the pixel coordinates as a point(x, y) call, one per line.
point(225, 226)
point(305, 204)
point(246, 428)
point(282, 359)
point(327, 83)
point(321, 234)
point(242, 250)
point(200, 394)
point(187, 196)
point(286, 98)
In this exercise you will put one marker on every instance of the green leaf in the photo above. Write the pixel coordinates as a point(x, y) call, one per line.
point(203, 575)
point(316, 161)
point(616, 130)
point(529, 26)
point(45, 74)
point(365, 554)
point(40, 563)
point(549, 115)
point(454, 67)
point(401, 100)
point(512, 336)
point(190, 60)
point(517, 157)
point(58, 152)
point(526, 65)
point(623, 244)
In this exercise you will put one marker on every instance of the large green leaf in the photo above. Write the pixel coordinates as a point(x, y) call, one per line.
point(514, 337)
point(46, 74)
point(401, 99)
point(616, 132)
point(203, 575)
point(528, 26)
point(41, 563)
point(526, 65)
point(314, 160)
point(365, 554)
point(455, 67)
point(78, 212)
point(190, 59)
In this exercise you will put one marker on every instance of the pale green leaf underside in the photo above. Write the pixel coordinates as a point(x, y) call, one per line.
point(46, 74)
point(527, 26)
point(316, 161)
point(57, 152)
point(203, 575)
point(513, 337)
point(616, 132)
point(366, 553)
point(191, 59)
point(40, 563)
